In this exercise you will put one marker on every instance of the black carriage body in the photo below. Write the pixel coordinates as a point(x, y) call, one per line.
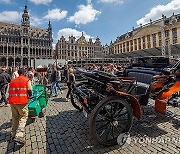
point(105, 107)
point(112, 101)
point(92, 90)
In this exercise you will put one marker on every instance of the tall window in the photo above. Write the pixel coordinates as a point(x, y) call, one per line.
point(154, 39)
point(174, 35)
point(166, 33)
point(127, 44)
point(124, 44)
point(131, 43)
point(159, 35)
point(121, 47)
point(160, 43)
point(135, 44)
point(148, 41)
point(144, 42)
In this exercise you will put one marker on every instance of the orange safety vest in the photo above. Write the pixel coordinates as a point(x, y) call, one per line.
point(18, 90)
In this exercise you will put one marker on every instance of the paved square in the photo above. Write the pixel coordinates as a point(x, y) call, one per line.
point(66, 130)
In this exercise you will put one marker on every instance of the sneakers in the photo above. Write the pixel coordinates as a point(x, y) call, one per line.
point(19, 140)
point(61, 92)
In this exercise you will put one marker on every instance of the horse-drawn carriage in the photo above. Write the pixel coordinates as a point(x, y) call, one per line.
point(111, 102)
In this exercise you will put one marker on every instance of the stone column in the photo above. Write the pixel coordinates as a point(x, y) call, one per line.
point(141, 43)
point(21, 56)
point(14, 56)
point(3, 49)
point(137, 43)
point(157, 40)
point(133, 44)
point(146, 46)
point(125, 46)
point(21, 61)
point(7, 55)
point(151, 41)
point(41, 52)
point(29, 59)
point(7, 61)
point(21, 51)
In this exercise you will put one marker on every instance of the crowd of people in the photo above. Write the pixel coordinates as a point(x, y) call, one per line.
point(109, 68)
point(52, 78)
point(19, 81)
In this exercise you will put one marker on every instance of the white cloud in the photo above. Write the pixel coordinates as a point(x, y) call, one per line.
point(10, 16)
point(37, 2)
point(112, 1)
point(85, 15)
point(66, 32)
point(54, 45)
point(6, 1)
point(157, 11)
point(88, 1)
point(35, 21)
point(55, 14)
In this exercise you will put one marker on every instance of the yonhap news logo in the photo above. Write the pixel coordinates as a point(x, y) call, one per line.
point(124, 140)
point(159, 139)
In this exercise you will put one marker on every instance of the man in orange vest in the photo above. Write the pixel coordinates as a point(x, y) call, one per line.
point(20, 90)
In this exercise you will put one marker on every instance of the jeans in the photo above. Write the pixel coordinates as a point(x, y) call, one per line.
point(58, 86)
point(53, 88)
point(3, 90)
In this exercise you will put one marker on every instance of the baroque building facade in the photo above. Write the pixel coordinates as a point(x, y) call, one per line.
point(22, 44)
point(105, 50)
point(152, 35)
point(77, 49)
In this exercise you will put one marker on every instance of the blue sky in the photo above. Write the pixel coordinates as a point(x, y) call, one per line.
point(106, 19)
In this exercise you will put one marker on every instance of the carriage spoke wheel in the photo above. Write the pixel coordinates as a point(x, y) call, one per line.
point(75, 99)
point(110, 119)
point(75, 102)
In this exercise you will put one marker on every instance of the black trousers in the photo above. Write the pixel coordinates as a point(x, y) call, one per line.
point(3, 90)
point(69, 89)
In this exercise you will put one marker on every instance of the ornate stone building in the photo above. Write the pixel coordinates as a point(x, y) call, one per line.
point(21, 44)
point(105, 50)
point(149, 36)
point(73, 49)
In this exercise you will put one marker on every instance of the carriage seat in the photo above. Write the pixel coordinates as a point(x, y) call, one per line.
point(143, 77)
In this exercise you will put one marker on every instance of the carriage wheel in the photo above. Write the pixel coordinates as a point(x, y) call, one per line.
point(75, 102)
point(74, 98)
point(109, 119)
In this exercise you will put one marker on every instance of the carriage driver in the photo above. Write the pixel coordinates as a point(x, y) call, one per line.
point(19, 91)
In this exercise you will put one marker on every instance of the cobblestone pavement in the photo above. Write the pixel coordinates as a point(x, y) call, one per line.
point(65, 130)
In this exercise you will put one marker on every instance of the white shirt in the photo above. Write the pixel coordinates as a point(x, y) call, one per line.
point(15, 75)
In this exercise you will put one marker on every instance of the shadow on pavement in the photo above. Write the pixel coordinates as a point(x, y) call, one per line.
point(5, 136)
point(59, 99)
point(68, 131)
